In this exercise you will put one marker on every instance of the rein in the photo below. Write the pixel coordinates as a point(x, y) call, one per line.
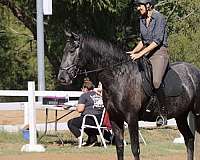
point(100, 69)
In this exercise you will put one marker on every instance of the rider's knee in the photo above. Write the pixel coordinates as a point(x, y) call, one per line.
point(156, 84)
point(70, 123)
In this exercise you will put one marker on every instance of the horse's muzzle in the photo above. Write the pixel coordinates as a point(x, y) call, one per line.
point(64, 78)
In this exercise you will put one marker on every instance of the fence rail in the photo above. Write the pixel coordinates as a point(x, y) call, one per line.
point(30, 109)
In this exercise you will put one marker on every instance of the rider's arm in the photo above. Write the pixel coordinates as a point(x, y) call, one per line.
point(80, 108)
point(149, 48)
point(137, 48)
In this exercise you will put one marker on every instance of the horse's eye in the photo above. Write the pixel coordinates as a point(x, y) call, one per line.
point(72, 50)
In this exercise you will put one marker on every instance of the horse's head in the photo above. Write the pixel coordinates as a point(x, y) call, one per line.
point(69, 65)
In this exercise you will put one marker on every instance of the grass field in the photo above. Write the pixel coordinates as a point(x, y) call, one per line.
point(159, 147)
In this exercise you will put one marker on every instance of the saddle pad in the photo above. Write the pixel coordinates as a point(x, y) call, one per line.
point(172, 84)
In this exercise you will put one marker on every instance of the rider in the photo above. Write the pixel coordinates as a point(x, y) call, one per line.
point(153, 44)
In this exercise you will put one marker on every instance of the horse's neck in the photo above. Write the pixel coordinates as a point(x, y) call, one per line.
point(101, 54)
point(116, 75)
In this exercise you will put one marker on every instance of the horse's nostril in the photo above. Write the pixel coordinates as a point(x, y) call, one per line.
point(61, 79)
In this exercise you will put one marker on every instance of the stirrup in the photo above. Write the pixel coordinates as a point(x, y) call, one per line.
point(161, 121)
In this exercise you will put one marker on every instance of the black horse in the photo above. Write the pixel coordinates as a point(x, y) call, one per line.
point(123, 94)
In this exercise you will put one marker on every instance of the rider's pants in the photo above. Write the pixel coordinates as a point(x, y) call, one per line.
point(159, 60)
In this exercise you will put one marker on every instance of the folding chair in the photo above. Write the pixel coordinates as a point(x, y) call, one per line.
point(98, 126)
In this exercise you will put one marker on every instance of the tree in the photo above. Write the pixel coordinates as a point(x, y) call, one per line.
point(79, 16)
point(112, 20)
point(183, 20)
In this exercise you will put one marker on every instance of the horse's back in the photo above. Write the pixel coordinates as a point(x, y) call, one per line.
point(186, 71)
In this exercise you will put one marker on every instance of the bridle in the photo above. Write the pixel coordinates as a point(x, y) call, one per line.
point(72, 70)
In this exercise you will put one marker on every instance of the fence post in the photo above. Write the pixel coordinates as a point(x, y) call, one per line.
point(32, 146)
point(32, 113)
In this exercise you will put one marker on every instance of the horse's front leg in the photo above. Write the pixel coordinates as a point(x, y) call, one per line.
point(118, 129)
point(134, 135)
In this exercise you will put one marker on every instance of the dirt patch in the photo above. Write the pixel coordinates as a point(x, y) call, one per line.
point(66, 156)
point(17, 117)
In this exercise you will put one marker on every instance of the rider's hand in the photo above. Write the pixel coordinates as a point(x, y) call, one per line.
point(130, 52)
point(136, 56)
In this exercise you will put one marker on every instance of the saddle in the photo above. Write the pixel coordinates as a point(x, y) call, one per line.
point(171, 85)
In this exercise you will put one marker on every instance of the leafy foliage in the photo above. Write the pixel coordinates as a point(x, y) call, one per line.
point(112, 20)
point(15, 52)
point(183, 21)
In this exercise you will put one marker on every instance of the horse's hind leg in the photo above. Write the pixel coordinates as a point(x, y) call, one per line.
point(183, 127)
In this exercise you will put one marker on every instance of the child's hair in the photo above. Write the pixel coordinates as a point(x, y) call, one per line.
point(88, 84)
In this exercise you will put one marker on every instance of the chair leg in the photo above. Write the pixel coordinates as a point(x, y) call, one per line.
point(142, 138)
point(102, 138)
point(80, 139)
point(82, 131)
point(100, 133)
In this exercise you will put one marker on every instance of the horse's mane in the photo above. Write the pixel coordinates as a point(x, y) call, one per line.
point(106, 51)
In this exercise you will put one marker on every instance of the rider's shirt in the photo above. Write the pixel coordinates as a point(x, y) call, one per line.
point(156, 30)
point(93, 103)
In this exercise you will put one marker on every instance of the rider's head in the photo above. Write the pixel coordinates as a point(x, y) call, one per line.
point(143, 6)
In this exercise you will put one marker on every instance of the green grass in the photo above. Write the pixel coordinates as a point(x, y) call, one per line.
point(159, 143)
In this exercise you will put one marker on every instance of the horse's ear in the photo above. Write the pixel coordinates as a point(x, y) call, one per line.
point(67, 34)
point(75, 36)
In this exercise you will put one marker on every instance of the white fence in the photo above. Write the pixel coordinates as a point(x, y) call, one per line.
point(30, 110)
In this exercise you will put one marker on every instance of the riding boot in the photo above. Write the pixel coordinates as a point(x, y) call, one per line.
point(153, 102)
point(162, 118)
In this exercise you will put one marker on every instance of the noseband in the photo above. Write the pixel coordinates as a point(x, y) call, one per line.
point(72, 70)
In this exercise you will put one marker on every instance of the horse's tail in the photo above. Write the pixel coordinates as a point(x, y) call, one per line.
point(197, 126)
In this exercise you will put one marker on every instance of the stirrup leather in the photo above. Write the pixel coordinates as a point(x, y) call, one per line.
point(151, 104)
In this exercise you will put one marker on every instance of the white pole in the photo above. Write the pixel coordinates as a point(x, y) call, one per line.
point(40, 47)
point(32, 146)
point(32, 114)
